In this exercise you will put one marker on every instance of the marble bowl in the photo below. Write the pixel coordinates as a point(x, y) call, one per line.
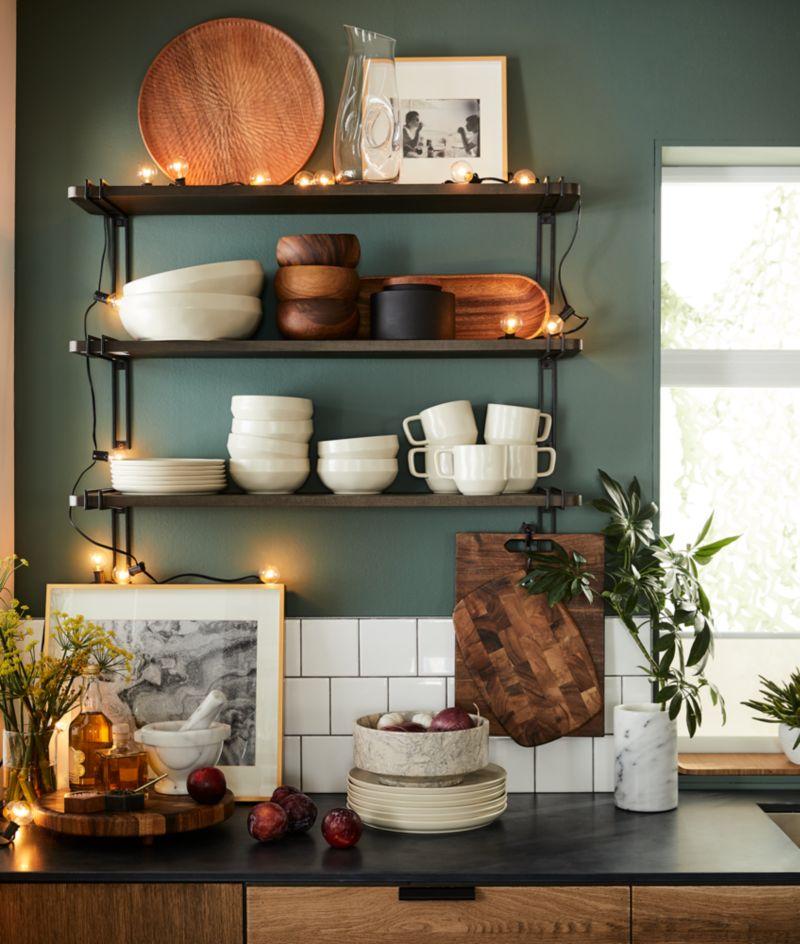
point(177, 753)
point(433, 759)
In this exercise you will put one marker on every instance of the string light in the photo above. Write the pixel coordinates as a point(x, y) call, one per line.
point(19, 812)
point(260, 179)
point(461, 172)
point(146, 173)
point(524, 177)
point(324, 178)
point(178, 169)
point(303, 178)
point(510, 324)
point(122, 575)
point(554, 325)
point(269, 575)
point(98, 573)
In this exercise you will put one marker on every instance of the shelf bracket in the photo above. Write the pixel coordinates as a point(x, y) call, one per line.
point(93, 499)
point(547, 369)
point(117, 221)
point(121, 389)
point(547, 220)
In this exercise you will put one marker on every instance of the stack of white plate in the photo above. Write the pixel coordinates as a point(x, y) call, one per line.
point(201, 303)
point(363, 466)
point(268, 444)
point(478, 800)
point(168, 476)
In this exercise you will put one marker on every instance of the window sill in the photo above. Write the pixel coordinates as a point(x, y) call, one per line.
point(736, 765)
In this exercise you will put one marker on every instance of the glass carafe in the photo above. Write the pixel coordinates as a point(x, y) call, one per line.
point(367, 140)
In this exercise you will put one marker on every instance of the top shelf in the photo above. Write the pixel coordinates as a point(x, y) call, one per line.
point(170, 200)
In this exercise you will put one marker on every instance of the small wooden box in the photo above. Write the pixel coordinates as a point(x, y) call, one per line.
point(84, 801)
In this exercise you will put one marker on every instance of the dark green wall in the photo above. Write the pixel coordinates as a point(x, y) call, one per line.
point(591, 86)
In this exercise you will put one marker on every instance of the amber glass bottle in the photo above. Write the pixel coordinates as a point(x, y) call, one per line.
point(89, 734)
point(125, 765)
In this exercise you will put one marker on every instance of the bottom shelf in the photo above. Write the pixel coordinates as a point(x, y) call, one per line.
point(555, 498)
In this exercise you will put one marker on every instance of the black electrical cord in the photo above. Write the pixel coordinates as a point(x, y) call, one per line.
point(138, 566)
point(568, 311)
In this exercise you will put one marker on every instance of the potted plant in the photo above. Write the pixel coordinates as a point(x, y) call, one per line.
point(653, 586)
point(38, 688)
point(781, 705)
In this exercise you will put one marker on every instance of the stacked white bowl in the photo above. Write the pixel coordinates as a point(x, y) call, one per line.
point(366, 465)
point(268, 444)
point(221, 300)
point(168, 476)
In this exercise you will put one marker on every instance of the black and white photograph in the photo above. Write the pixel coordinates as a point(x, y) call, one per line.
point(441, 128)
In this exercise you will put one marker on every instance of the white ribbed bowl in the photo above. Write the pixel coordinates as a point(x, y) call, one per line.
point(189, 316)
point(361, 447)
point(271, 408)
point(269, 476)
point(240, 277)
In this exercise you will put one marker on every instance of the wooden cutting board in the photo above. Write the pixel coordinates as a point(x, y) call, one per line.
point(482, 557)
point(481, 301)
point(528, 660)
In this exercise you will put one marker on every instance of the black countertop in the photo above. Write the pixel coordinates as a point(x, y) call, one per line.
point(541, 839)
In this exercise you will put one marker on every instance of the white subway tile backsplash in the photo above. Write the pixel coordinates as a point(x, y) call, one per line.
point(292, 771)
point(604, 764)
point(613, 696)
point(330, 647)
point(564, 766)
point(291, 658)
point(326, 764)
point(420, 694)
point(623, 656)
point(307, 706)
point(353, 697)
point(451, 692)
point(437, 644)
point(388, 646)
point(518, 763)
point(636, 690)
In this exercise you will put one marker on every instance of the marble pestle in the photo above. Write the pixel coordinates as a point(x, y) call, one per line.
point(206, 712)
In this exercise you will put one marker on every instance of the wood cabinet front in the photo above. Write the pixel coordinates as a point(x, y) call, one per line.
point(712, 914)
point(44, 913)
point(590, 915)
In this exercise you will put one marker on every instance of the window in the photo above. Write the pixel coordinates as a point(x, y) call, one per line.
point(730, 403)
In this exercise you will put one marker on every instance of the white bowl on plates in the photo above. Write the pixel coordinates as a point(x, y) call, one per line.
point(271, 408)
point(362, 447)
point(270, 476)
point(189, 316)
point(240, 277)
point(262, 447)
point(357, 476)
point(291, 430)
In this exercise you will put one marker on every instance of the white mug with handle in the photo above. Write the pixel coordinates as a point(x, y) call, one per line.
point(476, 470)
point(515, 425)
point(523, 467)
point(450, 423)
point(435, 482)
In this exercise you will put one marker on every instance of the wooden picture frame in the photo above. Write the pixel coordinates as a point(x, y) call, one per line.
point(188, 639)
point(462, 102)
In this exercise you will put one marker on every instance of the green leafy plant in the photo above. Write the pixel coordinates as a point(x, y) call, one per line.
point(781, 703)
point(649, 583)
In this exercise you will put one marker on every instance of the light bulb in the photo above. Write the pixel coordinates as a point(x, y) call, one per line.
point(524, 177)
point(510, 324)
point(554, 325)
point(19, 812)
point(303, 178)
point(97, 561)
point(324, 178)
point(178, 169)
point(146, 174)
point(270, 574)
point(461, 172)
point(260, 179)
point(122, 575)
point(112, 300)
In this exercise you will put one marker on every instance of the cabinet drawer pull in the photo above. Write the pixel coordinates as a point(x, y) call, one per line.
point(436, 893)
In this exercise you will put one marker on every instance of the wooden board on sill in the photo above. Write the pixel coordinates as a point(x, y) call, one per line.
point(736, 765)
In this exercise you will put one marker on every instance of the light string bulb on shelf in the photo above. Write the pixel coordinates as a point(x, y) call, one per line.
point(303, 178)
point(554, 325)
point(178, 170)
point(98, 571)
point(260, 179)
point(510, 325)
point(146, 173)
point(19, 812)
point(524, 177)
point(269, 575)
point(324, 178)
point(461, 172)
point(122, 575)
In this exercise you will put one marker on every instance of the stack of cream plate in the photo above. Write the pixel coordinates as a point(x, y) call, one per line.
point(168, 476)
point(477, 801)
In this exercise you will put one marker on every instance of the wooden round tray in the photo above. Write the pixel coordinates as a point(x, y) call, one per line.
point(162, 815)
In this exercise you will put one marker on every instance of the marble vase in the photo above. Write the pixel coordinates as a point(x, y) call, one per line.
point(787, 737)
point(645, 759)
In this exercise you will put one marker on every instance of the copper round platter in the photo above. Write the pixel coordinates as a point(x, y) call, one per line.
point(231, 97)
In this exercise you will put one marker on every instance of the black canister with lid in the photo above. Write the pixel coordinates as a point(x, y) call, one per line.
point(413, 311)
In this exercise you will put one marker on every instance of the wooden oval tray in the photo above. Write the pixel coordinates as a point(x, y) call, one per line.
point(162, 815)
point(481, 301)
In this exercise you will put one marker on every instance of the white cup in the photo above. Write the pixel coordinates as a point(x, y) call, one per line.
point(435, 482)
point(515, 425)
point(523, 467)
point(450, 423)
point(476, 470)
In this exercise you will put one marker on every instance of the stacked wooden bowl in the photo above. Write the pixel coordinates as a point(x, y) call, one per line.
point(317, 286)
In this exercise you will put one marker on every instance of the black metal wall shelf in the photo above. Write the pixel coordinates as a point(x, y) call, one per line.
point(538, 348)
point(150, 200)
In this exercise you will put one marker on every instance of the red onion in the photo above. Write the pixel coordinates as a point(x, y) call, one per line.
point(409, 727)
point(451, 719)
